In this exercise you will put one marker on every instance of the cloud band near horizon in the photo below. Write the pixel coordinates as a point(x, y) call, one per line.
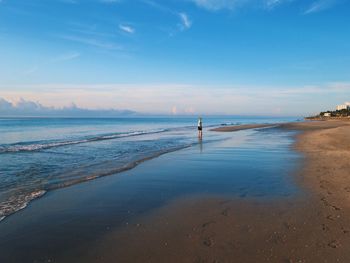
point(186, 99)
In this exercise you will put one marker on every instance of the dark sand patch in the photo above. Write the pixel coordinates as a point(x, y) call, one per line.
point(242, 127)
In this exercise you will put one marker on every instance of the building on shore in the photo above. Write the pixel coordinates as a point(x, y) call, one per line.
point(343, 107)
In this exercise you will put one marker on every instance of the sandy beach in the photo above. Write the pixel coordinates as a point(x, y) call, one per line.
point(312, 228)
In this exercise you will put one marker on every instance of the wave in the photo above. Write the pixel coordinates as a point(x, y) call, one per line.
point(230, 123)
point(42, 145)
point(19, 198)
point(18, 202)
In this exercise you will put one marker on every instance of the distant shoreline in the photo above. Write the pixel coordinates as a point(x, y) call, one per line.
point(320, 118)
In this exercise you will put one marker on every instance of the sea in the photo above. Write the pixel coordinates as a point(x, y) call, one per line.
point(38, 155)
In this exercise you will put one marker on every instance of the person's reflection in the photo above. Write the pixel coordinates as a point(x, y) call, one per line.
point(200, 143)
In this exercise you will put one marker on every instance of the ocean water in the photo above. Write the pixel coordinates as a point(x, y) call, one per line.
point(41, 154)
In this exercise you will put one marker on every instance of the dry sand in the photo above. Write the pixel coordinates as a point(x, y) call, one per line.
point(312, 228)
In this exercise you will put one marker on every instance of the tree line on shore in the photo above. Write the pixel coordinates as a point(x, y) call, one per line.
point(344, 113)
point(336, 113)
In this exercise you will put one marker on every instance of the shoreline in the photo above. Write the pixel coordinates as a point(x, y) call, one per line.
point(241, 127)
point(313, 228)
point(37, 194)
point(148, 214)
point(68, 224)
point(128, 166)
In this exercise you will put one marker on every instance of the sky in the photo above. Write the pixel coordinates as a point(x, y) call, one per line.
point(240, 57)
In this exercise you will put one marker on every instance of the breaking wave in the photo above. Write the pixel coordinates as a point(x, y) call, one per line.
point(18, 202)
point(42, 145)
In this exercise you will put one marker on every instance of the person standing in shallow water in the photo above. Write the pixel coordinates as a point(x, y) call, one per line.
point(200, 128)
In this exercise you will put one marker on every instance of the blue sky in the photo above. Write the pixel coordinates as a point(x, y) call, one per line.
point(274, 57)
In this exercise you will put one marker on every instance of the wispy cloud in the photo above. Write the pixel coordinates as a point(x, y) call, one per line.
point(157, 6)
point(271, 4)
point(127, 29)
point(186, 23)
point(92, 42)
point(162, 98)
point(66, 57)
point(89, 30)
point(57, 59)
point(215, 5)
point(340, 86)
point(319, 6)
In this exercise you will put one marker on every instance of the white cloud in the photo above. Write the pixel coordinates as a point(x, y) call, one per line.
point(340, 86)
point(22, 107)
point(186, 99)
point(186, 23)
point(92, 42)
point(127, 29)
point(215, 5)
point(270, 4)
point(174, 110)
point(319, 6)
point(157, 6)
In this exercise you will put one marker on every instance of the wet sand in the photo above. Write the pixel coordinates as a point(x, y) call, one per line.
point(242, 127)
point(312, 228)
